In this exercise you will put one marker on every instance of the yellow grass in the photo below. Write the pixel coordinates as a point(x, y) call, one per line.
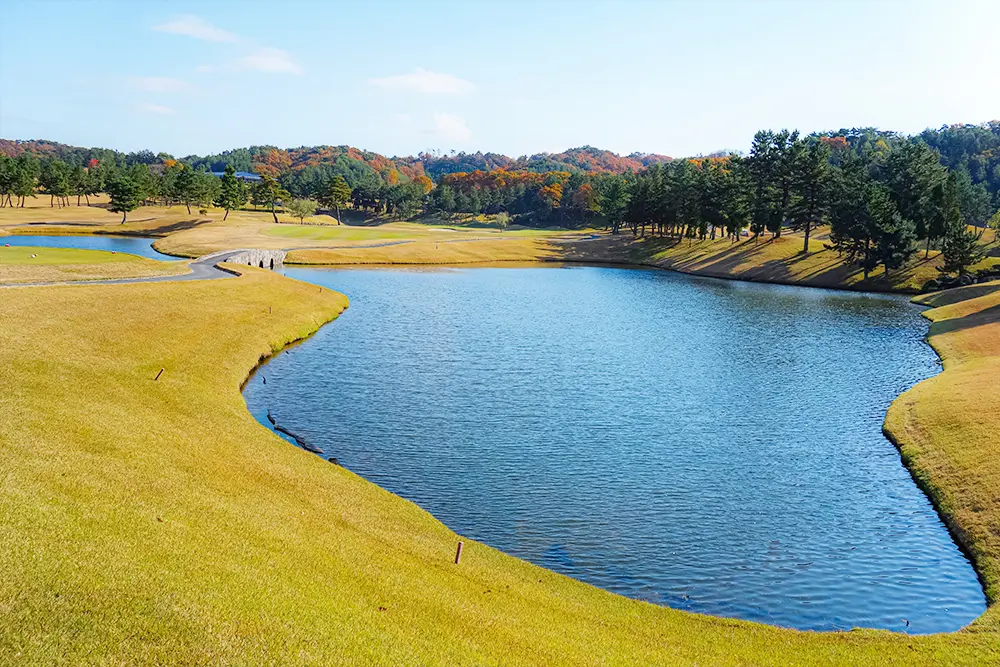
point(766, 260)
point(156, 522)
point(39, 218)
point(949, 428)
point(511, 249)
point(778, 260)
point(243, 233)
point(23, 264)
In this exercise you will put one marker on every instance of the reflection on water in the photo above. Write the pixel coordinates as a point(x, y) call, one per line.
point(713, 446)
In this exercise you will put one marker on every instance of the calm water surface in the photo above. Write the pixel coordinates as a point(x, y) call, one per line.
point(130, 244)
point(712, 446)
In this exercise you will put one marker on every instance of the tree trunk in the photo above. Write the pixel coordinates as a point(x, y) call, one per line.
point(87, 197)
point(226, 215)
point(927, 248)
point(338, 215)
point(273, 214)
point(52, 201)
point(124, 213)
point(805, 244)
point(188, 204)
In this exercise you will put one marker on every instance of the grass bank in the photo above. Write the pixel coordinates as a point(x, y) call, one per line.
point(24, 264)
point(468, 239)
point(155, 521)
point(779, 260)
point(948, 428)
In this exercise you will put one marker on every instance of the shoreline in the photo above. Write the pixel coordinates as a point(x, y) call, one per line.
point(929, 491)
point(343, 540)
point(538, 256)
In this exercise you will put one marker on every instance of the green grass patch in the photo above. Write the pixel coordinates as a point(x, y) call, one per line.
point(22, 255)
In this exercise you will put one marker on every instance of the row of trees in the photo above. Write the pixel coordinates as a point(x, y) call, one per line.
point(129, 187)
point(880, 193)
point(878, 204)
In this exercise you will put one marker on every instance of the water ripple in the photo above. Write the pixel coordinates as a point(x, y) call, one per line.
point(713, 446)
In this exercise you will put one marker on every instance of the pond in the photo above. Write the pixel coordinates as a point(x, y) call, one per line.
point(713, 446)
point(134, 245)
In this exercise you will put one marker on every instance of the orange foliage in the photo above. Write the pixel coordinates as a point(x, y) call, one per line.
point(835, 143)
point(272, 163)
point(424, 182)
point(708, 161)
point(551, 194)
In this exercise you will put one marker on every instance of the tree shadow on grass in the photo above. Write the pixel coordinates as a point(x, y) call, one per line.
point(989, 315)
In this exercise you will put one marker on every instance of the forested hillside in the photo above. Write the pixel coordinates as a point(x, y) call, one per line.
point(882, 194)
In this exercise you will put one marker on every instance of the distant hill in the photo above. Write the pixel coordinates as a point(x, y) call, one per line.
point(585, 159)
point(352, 162)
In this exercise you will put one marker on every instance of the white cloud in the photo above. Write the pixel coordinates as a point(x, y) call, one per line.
point(158, 84)
point(450, 127)
point(264, 59)
point(196, 27)
point(269, 59)
point(155, 108)
point(423, 81)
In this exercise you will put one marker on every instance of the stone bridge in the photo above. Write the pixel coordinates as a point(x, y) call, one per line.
point(264, 259)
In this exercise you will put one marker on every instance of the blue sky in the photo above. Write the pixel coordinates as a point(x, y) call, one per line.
point(679, 78)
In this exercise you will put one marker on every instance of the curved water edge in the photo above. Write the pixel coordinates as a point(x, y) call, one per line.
point(901, 583)
point(555, 560)
point(133, 245)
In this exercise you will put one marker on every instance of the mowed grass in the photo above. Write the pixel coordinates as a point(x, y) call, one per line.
point(156, 522)
point(778, 260)
point(345, 232)
point(39, 218)
point(472, 251)
point(20, 264)
point(400, 230)
point(39, 256)
point(949, 427)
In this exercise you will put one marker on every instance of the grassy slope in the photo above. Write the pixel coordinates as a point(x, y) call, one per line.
point(949, 427)
point(338, 244)
point(39, 218)
point(69, 264)
point(157, 522)
point(449, 251)
point(772, 260)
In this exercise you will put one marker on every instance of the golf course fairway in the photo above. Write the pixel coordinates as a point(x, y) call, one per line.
point(154, 521)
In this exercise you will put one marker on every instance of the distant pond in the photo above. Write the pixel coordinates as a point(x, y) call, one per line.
point(134, 245)
point(708, 445)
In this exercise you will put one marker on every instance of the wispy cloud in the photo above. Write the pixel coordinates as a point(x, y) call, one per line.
point(158, 84)
point(424, 81)
point(264, 59)
point(194, 26)
point(450, 127)
point(268, 59)
point(154, 108)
